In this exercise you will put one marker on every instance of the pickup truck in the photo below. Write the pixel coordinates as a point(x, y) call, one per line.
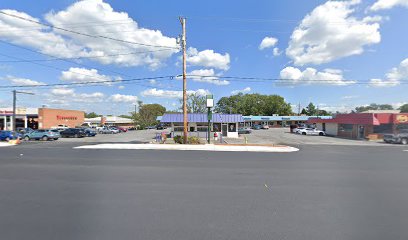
point(397, 138)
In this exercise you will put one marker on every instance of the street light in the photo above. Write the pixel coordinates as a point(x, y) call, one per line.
point(14, 106)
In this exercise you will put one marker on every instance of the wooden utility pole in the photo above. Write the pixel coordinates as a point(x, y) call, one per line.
point(183, 45)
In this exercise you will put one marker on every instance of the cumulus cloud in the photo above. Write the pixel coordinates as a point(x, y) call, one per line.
point(67, 95)
point(158, 93)
point(388, 4)
point(393, 77)
point(245, 90)
point(293, 76)
point(329, 32)
point(207, 76)
point(64, 44)
point(268, 42)
point(276, 52)
point(208, 58)
point(21, 81)
point(79, 75)
point(119, 98)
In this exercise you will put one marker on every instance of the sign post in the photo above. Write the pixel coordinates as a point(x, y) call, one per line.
point(210, 104)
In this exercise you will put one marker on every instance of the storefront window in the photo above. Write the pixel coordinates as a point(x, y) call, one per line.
point(402, 127)
point(383, 128)
point(217, 127)
point(346, 127)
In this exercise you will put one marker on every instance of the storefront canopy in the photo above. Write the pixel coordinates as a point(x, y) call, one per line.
point(202, 118)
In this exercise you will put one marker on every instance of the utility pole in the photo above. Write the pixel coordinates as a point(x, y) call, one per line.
point(14, 107)
point(299, 109)
point(183, 45)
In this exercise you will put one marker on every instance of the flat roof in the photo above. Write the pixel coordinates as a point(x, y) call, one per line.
point(202, 117)
point(283, 118)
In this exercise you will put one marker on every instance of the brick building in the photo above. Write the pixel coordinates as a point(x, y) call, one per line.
point(40, 118)
point(363, 125)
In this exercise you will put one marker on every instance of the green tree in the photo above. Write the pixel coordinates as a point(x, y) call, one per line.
point(147, 114)
point(125, 116)
point(404, 108)
point(91, 115)
point(195, 103)
point(374, 106)
point(254, 104)
point(311, 110)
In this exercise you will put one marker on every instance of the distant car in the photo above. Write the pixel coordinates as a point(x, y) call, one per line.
point(108, 130)
point(244, 131)
point(160, 126)
point(257, 127)
point(73, 132)
point(122, 129)
point(9, 135)
point(298, 129)
point(60, 127)
point(150, 127)
point(42, 134)
point(24, 130)
point(90, 132)
point(401, 138)
point(266, 127)
point(311, 131)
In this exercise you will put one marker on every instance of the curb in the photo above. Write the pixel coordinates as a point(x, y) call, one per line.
point(207, 147)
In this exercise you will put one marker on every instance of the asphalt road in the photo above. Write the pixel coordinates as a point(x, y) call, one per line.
point(331, 192)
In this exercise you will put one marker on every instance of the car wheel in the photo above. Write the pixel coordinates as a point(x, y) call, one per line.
point(44, 138)
point(404, 141)
point(7, 139)
point(55, 138)
point(76, 136)
point(321, 134)
point(303, 133)
point(27, 138)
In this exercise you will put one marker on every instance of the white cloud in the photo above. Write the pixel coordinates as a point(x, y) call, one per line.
point(268, 42)
point(158, 93)
point(63, 91)
point(349, 97)
point(329, 32)
point(293, 76)
point(21, 81)
point(276, 52)
point(245, 90)
point(388, 4)
point(64, 44)
point(208, 58)
point(393, 77)
point(119, 98)
point(207, 76)
point(121, 87)
point(67, 95)
point(79, 75)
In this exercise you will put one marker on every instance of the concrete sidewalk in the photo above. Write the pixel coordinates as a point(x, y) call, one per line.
point(207, 147)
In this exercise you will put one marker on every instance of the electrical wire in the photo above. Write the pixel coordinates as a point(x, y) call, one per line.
point(84, 34)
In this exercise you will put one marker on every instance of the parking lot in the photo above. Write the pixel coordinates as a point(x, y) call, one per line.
point(278, 136)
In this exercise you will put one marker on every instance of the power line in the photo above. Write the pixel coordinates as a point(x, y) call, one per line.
point(84, 34)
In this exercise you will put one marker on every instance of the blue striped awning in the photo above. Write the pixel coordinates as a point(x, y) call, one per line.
point(202, 117)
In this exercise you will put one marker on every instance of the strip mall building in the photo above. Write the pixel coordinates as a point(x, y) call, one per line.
point(363, 125)
point(40, 118)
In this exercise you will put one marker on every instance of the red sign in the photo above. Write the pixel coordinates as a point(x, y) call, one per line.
point(66, 117)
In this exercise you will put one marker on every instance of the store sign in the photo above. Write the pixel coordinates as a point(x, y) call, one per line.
point(402, 119)
point(66, 117)
point(19, 111)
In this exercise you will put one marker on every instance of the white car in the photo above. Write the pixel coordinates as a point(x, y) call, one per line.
point(297, 130)
point(311, 131)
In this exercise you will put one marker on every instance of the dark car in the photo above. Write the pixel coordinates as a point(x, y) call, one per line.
point(8, 135)
point(257, 127)
point(73, 132)
point(160, 126)
point(401, 138)
point(90, 132)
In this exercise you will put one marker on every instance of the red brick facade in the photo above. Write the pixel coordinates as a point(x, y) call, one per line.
point(48, 118)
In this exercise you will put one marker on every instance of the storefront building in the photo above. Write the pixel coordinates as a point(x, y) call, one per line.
point(278, 121)
point(40, 118)
point(110, 121)
point(225, 124)
point(363, 125)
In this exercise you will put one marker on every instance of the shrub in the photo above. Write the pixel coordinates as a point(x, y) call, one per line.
point(194, 140)
point(178, 139)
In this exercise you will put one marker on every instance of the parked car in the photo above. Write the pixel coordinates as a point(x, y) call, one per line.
point(9, 135)
point(244, 130)
point(257, 127)
point(122, 129)
point(22, 131)
point(298, 129)
point(401, 138)
point(150, 127)
point(42, 134)
point(90, 132)
point(60, 127)
point(311, 131)
point(109, 130)
point(73, 132)
point(266, 127)
point(160, 126)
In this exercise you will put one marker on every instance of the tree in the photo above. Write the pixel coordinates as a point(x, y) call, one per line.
point(195, 103)
point(404, 108)
point(91, 115)
point(311, 110)
point(254, 104)
point(147, 114)
point(374, 106)
point(125, 116)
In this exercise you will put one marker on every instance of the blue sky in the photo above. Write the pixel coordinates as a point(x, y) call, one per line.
point(337, 54)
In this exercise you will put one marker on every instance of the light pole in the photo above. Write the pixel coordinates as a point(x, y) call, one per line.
point(14, 107)
point(210, 104)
